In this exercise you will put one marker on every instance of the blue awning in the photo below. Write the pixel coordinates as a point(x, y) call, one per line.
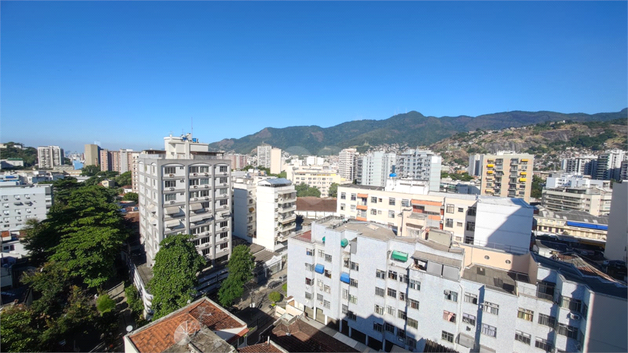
point(344, 277)
point(587, 225)
point(319, 268)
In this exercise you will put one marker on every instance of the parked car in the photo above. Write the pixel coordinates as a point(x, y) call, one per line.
point(283, 278)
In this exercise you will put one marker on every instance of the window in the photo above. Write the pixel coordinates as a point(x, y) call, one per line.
point(309, 295)
point(568, 331)
point(522, 337)
point(223, 224)
point(193, 169)
point(468, 319)
point(170, 183)
point(392, 293)
point(391, 214)
point(543, 344)
point(373, 199)
point(319, 297)
point(353, 282)
point(352, 197)
point(402, 295)
point(460, 209)
point(391, 201)
point(470, 298)
point(449, 223)
point(413, 323)
point(405, 203)
point(327, 257)
point(491, 308)
point(471, 226)
point(380, 274)
point(309, 252)
point(224, 235)
point(321, 253)
point(392, 275)
point(170, 170)
point(222, 202)
point(411, 342)
point(458, 224)
point(378, 327)
point(450, 208)
point(170, 197)
point(327, 304)
point(449, 316)
point(401, 333)
point(351, 316)
point(206, 251)
point(525, 314)
point(343, 196)
point(414, 284)
point(489, 330)
point(379, 291)
point(373, 212)
point(328, 273)
point(309, 281)
point(352, 207)
point(451, 295)
point(224, 246)
point(345, 293)
point(355, 266)
point(391, 310)
point(414, 304)
point(223, 168)
point(571, 304)
point(449, 337)
point(389, 327)
point(547, 320)
point(353, 299)
point(379, 309)
point(205, 240)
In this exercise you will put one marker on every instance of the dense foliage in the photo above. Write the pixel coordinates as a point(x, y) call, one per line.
point(333, 190)
point(537, 187)
point(174, 275)
point(240, 267)
point(305, 190)
point(456, 176)
point(27, 154)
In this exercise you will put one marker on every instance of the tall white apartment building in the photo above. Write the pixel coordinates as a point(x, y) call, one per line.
point(347, 164)
point(475, 165)
point(276, 163)
point(20, 203)
point(420, 165)
point(412, 211)
point(185, 189)
point(314, 176)
point(135, 182)
point(617, 236)
point(593, 200)
point(506, 174)
point(609, 164)
point(582, 165)
point(397, 293)
point(49, 156)
point(314, 160)
point(376, 167)
point(276, 205)
point(264, 156)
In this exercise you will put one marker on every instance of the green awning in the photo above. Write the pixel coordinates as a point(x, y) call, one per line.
point(399, 256)
point(344, 243)
point(323, 240)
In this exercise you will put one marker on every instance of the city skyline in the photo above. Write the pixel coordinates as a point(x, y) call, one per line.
point(127, 74)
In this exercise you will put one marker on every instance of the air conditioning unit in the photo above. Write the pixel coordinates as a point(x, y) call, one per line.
point(574, 316)
point(196, 199)
point(207, 198)
point(196, 186)
point(206, 174)
point(171, 175)
point(171, 189)
point(206, 186)
point(171, 202)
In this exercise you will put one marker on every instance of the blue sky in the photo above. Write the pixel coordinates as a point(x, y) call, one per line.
point(129, 73)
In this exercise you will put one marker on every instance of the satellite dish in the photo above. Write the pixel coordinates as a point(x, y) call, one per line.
point(129, 328)
point(184, 332)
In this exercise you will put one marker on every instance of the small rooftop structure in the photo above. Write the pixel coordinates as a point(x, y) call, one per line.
point(275, 182)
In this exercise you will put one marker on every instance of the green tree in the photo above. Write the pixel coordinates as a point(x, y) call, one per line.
point(537, 187)
point(305, 190)
point(17, 332)
point(131, 196)
point(333, 190)
point(240, 267)
point(134, 300)
point(63, 188)
point(90, 170)
point(39, 240)
point(105, 304)
point(176, 266)
point(274, 297)
point(124, 179)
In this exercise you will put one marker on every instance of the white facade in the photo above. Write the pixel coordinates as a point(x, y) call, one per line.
point(186, 195)
point(593, 200)
point(385, 290)
point(276, 217)
point(276, 163)
point(320, 177)
point(49, 156)
point(420, 165)
point(609, 164)
point(503, 223)
point(264, 156)
point(617, 235)
point(583, 165)
point(574, 180)
point(376, 167)
point(20, 203)
point(314, 160)
point(347, 164)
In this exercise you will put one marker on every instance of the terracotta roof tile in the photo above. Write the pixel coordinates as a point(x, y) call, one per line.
point(316, 204)
point(260, 348)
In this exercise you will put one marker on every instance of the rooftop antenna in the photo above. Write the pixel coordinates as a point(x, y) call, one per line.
point(184, 332)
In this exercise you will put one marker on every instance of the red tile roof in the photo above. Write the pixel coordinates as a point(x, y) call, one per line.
point(261, 348)
point(307, 236)
point(311, 203)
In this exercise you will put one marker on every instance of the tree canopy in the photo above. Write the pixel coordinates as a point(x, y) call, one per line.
point(176, 265)
point(90, 170)
point(240, 267)
point(305, 190)
point(131, 196)
point(333, 190)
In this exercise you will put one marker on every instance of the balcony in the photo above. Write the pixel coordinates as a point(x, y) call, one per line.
point(362, 207)
point(286, 219)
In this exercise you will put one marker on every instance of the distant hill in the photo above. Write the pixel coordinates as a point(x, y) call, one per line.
point(28, 154)
point(412, 128)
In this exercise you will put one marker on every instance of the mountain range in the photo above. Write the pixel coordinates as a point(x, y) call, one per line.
point(412, 129)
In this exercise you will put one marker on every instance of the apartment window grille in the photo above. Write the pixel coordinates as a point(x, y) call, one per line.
point(391, 214)
point(327, 289)
point(491, 308)
point(571, 304)
point(206, 251)
point(449, 337)
point(401, 314)
point(489, 330)
point(392, 275)
point(353, 282)
point(224, 246)
point(471, 226)
point(401, 333)
point(523, 337)
point(402, 295)
point(327, 304)
point(170, 170)
point(470, 298)
point(343, 196)
point(389, 327)
point(319, 297)
point(309, 281)
point(543, 344)
point(460, 210)
point(569, 331)
point(309, 252)
point(391, 201)
point(353, 299)
point(449, 223)
point(414, 284)
point(392, 293)
point(345, 293)
point(547, 320)
point(373, 212)
point(449, 316)
point(468, 319)
point(205, 240)
point(414, 304)
point(379, 291)
point(321, 253)
point(391, 310)
point(380, 274)
point(223, 169)
point(378, 327)
point(525, 314)
point(196, 242)
point(224, 224)
point(170, 183)
point(403, 278)
point(413, 323)
point(379, 309)
point(355, 266)
point(451, 295)
point(327, 257)
point(170, 197)
point(309, 295)
point(309, 267)
point(222, 202)
point(224, 235)
point(373, 199)
point(450, 209)
point(345, 309)
point(352, 207)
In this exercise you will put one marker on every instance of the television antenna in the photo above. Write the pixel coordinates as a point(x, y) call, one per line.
point(184, 332)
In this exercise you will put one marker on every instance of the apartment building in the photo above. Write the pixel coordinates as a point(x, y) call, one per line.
point(276, 163)
point(411, 211)
point(506, 174)
point(314, 176)
point(609, 165)
point(578, 224)
point(135, 177)
point(623, 171)
point(583, 165)
point(186, 189)
point(49, 157)
point(347, 164)
point(557, 180)
point(314, 160)
point(264, 156)
point(238, 161)
point(618, 224)
point(396, 293)
point(23, 202)
point(376, 167)
point(593, 200)
point(92, 156)
point(420, 165)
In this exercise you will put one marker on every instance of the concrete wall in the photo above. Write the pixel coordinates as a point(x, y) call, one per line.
point(617, 235)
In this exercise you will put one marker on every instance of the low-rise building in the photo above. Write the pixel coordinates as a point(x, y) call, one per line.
point(558, 180)
point(578, 224)
point(592, 200)
point(320, 177)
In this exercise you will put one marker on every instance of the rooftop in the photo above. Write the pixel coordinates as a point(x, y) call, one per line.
point(301, 337)
point(368, 187)
point(266, 347)
point(578, 216)
point(311, 203)
point(495, 278)
point(275, 182)
point(503, 201)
